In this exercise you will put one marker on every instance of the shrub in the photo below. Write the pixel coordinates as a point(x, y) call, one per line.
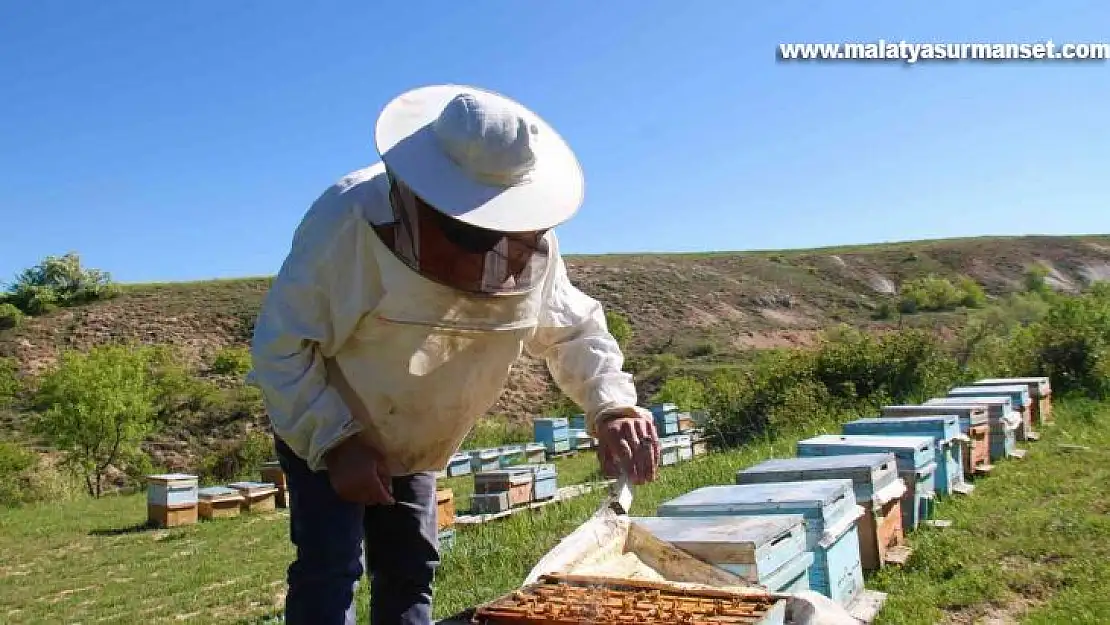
point(25, 477)
point(10, 316)
point(9, 381)
point(935, 293)
point(497, 430)
point(1036, 279)
point(619, 327)
point(232, 361)
point(58, 281)
point(683, 391)
point(98, 407)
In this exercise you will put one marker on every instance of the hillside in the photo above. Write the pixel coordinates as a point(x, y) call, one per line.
point(704, 308)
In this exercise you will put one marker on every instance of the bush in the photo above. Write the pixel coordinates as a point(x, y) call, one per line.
point(232, 361)
point(934, 293)
point(242, 459)
point(683, 391)
point(10, 316)
point(9, 381)
point(619, 327)
point(99, 406)
point(26, 478)
point(498, 430)
point(58, 281)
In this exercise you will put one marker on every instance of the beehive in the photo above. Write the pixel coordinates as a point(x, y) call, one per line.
point(913, 454)
point(1040, 391)
point(831, 515)
point(577, 422)
point(668, 451)
point(685, 422)
point(947, 447)
point(973, 424)
point(580, 440)
point(582, 600)
point(273, 474)
point(553, 433)
point(458, 464)
point(257, 496)
point(1003, 422)
point(489, 503)
point(515, 482)
point(171, 499)
point(535, 452)
point(512, 455)
point(445, 508)
point(699, 444)
point(544, 482)
point(484, 460)
point(666, 419)
point(878, 490)
point(685, 447)
point(1019, 399)
point(219, 502)
point(763, 550)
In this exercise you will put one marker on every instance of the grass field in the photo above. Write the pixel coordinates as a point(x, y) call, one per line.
point(1032, 545)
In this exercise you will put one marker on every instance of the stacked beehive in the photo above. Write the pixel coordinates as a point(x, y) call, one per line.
point(678, 439)
point(553, 433)
point(172, 499)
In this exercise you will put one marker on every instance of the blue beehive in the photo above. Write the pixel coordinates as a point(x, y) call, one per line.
point(765, 550)
point(580, 440)
point(915, 458)
point(877, 486)
point(485, 460)
point(459, 464)
point(544, 481)
point(1004, 422)
point(578, 422)
point(1020, 400)
point(554, 433)
point(945, 430)
point(666, 418)
point(830, 511)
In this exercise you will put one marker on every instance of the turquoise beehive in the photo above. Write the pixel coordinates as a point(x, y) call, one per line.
point(554, 433)
point(916, 465)
point(766, 550)
point(830, 511)
point(945, 430)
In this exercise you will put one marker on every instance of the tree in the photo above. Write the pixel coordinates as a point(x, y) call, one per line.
point(98, 407)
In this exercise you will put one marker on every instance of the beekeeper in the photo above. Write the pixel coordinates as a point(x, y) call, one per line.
point(410, 289)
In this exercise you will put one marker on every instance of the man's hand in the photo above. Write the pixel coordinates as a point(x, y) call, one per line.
point(627, 439)
point(358, 474)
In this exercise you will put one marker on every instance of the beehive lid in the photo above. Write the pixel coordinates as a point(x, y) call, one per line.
point(974, 412)
point(662, 409)
point(511, 475)
point(670, 442)
point(217, 493)
point(860, 468)
point(485, 454)
point(722, 538)
point(167, 478)
point(543, 471)
point(582, 434)
point(876, 441)
point(252, 487)
point(272, 464)
point(946, 426)
point(534, 447)
point(1038, 386)
point(1018, 393)
point(459, 458)
point(831, 499)
point(551, 422)
point(996, 406)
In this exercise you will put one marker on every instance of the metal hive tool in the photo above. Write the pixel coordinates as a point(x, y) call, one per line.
point(575, 600)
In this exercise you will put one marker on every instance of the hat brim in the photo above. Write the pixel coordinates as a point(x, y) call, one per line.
point(408, 147)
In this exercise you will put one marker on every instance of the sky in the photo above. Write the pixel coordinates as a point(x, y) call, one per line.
point(167, 141)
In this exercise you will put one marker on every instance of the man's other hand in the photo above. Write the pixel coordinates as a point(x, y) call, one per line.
point(358, 474)
point(627, 438)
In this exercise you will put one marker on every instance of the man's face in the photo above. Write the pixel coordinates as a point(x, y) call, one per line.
point(463, 256)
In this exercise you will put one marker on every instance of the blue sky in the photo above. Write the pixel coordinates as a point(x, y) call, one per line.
point(184, 140)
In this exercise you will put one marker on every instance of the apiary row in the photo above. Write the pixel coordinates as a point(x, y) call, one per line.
point(844, 504)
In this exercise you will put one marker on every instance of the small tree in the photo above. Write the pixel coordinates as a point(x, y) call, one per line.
point(58, 281)
point(99, 406)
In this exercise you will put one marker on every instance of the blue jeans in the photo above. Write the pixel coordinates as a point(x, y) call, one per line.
point(401, 549)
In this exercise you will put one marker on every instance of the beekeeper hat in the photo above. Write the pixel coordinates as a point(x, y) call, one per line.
point(479, 157)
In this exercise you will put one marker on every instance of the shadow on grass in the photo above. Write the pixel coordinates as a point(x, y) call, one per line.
point(144, 526)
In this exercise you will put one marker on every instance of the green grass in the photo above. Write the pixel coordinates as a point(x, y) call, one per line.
point(1033, 535)
point(1031, 545)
